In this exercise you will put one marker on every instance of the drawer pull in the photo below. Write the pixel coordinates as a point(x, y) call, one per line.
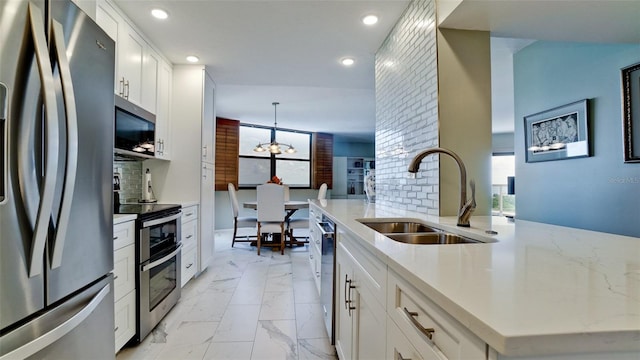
point(428, 332)
point(115, 238)
point(189, 236)
point(190, 265)
point(399, 356)
point(116, 329)
point(115, 277)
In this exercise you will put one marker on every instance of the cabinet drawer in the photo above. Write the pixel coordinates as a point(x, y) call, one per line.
point(189, 266)
point(189, 213)
point(125, 319)
point(124, 234)
point(429, 328)
point(124, 271)
point(398, 347)
point(315, 215)
point(375, 271)
point(315, 260)
point(315, 236)
point(189, 235)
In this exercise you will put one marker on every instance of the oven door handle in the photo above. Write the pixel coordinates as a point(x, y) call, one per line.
point(162, 260)
point(162, 220)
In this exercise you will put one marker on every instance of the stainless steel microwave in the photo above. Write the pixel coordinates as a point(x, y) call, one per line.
point(135, 130)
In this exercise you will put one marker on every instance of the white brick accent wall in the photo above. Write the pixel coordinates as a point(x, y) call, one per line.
point(407, 111)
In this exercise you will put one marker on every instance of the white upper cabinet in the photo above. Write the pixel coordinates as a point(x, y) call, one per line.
point(163, 111)
point(137, 63)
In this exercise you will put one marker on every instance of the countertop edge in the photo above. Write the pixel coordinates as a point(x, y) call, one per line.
point(517, 345)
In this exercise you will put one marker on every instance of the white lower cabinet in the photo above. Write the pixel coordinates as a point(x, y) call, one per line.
point(433, 332)
point(398, 346)
point(379, 315)
point(124, 282)
point(125, 319)
point(189, 240)
point(360, 314)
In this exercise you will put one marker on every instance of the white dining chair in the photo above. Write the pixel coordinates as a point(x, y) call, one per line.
point(240, 222)
point(271, 213)
point(322, 192)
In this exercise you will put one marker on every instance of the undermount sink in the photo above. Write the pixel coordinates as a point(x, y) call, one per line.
point(389, 227)
point(431, 238)
point(411, 231)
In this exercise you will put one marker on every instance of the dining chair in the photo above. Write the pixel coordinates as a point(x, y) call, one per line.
point(270, 207)
point(240, 222)
point(322, 192)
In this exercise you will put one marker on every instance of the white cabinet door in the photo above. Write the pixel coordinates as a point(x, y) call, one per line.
point(163, 112)
point(130, 54)
point(149, 81)
point(208, 120)
point(344, 306)
point(206, 217)
point(125, 319)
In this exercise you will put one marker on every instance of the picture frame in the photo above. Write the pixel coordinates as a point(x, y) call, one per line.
point(558, 133)
point(631, 113)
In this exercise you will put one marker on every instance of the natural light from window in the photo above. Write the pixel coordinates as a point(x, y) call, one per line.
point(502, 166)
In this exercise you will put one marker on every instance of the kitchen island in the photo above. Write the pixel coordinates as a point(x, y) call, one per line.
point(531, 290)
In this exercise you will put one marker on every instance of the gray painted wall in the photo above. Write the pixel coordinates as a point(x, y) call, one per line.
point(599, 192)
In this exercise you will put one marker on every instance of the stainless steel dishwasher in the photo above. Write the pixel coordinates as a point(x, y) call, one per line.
point(327, 274)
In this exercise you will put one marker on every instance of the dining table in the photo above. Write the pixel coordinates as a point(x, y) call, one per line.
point(290, 207)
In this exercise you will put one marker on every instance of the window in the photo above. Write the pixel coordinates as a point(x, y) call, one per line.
point(257, 168)
point(502, 167)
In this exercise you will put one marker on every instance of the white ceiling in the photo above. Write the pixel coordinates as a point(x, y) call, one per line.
point(289, 50)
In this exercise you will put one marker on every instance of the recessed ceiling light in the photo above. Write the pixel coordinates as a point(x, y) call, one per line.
point(347, 61)
point(370, 19)
point(159, 14)
point(192, 59)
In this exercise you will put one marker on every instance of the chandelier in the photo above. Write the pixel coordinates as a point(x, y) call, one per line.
point(274, 147)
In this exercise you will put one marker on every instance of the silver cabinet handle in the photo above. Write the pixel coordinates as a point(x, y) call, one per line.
point(412, 315)
point(189, 236)
point(51, 160)
point(63, 329)
point(126, 87)
point(399, 356)
point(121, 90)
point(115, 238)
point(188, 266)
point(116, 329)
point(71, 145)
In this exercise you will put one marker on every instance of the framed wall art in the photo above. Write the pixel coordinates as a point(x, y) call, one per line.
point(631, 113)
point(558, 133)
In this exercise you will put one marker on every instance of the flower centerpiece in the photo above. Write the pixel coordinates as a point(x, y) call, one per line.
point(275, 180)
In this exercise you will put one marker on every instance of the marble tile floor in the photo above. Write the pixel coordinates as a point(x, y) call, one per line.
point(244, 306)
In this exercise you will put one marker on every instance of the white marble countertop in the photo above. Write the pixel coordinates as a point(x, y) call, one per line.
point(540, 289)
point(120, 218)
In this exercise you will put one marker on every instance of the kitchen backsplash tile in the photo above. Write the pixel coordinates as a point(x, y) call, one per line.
point(130, 180)
point(407, 111)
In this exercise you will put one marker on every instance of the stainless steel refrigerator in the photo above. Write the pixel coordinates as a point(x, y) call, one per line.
point(56, 230)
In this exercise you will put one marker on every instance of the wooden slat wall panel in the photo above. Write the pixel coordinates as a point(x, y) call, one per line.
point(227, 148)
point(322, 145)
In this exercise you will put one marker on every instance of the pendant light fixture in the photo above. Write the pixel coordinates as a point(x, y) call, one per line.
point(274, 147)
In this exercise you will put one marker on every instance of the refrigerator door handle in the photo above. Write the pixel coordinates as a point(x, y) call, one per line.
point(63, 329)
point(51, 143)
point(71, 145)
point(3, 140)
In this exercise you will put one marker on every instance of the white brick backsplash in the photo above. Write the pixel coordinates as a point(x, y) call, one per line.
point(407, 111)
